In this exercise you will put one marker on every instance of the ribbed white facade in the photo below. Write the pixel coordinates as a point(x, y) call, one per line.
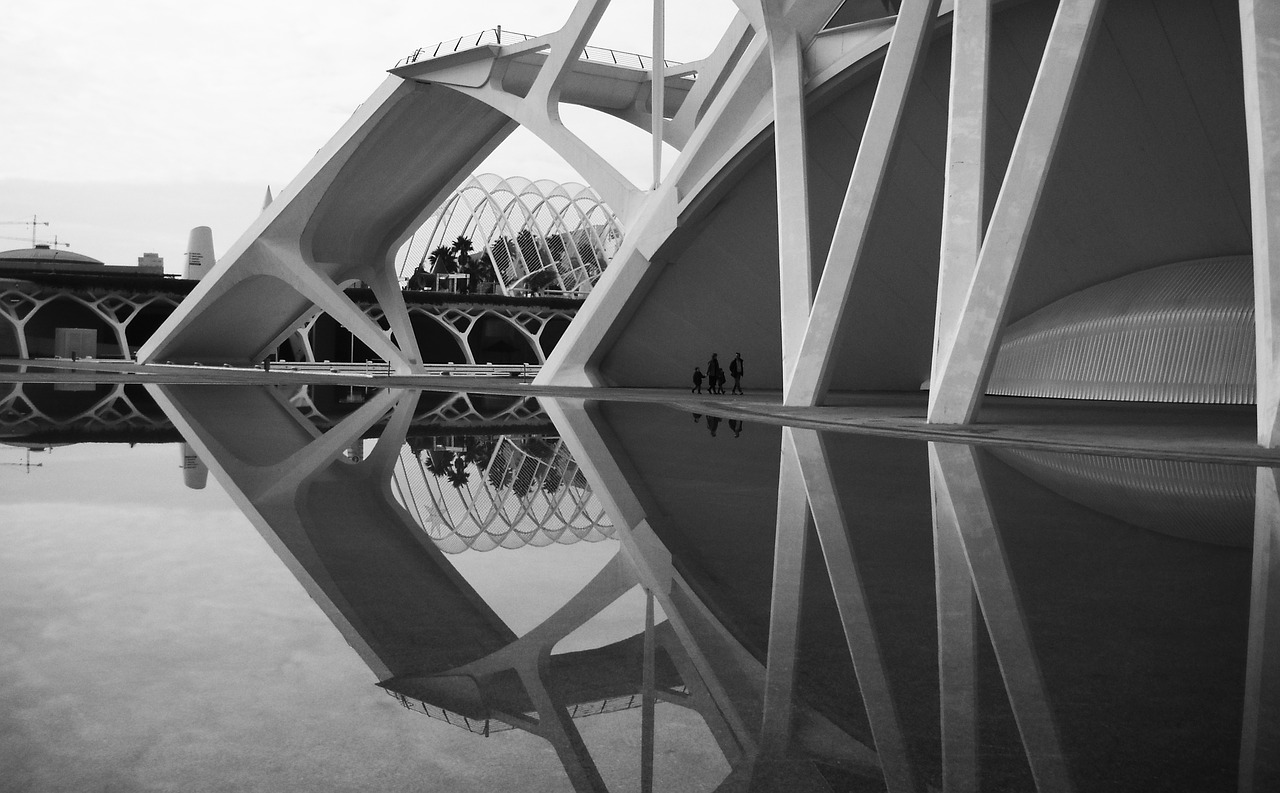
point(527, 227)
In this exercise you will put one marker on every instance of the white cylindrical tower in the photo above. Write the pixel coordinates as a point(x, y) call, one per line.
point(194, 472)
point(199, 253)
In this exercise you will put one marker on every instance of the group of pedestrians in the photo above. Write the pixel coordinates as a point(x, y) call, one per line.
point(715, 375)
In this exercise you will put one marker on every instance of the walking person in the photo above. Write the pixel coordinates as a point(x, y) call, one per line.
point(715, 375)
point(736, 371)
point(697, 381)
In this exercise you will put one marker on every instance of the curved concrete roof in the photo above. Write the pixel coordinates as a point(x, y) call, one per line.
point(43, 254)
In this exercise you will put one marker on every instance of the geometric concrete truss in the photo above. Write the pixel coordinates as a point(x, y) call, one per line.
point(912, 194)
point(525, 491)
point(32, 310)
point(526, 228)
point(402, 153)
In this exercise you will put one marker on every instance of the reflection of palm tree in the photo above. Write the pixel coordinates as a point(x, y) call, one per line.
point(439, 465)
point(552, 481)
point(458, 475)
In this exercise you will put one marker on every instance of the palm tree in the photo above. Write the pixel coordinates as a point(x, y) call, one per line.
point(442, 260)
point(462, 247)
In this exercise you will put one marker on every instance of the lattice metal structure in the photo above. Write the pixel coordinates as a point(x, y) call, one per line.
point(527, 228)
point(523, 490)
point(24, 304)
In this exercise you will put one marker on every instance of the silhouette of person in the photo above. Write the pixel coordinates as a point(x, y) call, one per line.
point(713, 424)
point(697, 381)
point(736, 426)
point(736, 371)
point(715, 374)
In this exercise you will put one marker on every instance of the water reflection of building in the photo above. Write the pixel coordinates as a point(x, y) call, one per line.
point(957, 626)
point(485, 492)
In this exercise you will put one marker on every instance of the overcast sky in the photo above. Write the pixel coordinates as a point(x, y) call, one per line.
point(127, 122)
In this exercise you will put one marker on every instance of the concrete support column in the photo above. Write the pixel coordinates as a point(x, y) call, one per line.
point(1260, 40)
point(1260, 735)
point(961, 374)
point(386, 288)
point(795, 257)
point(964, 510)
point(966, 167)
point(328, 297)
point(658, 84)
point(806, 383)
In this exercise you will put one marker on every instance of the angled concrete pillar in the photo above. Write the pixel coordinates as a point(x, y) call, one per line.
point(1260, 39)
point(962, 227)
point(795, 258)
point(961, 376)
point(810, 376)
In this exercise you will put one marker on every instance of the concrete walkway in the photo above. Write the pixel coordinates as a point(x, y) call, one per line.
point(1203, 433)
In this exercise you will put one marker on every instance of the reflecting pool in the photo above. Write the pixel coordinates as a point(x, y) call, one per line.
point(339, 588)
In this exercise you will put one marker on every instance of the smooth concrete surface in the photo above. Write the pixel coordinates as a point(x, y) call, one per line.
point(1212, 433)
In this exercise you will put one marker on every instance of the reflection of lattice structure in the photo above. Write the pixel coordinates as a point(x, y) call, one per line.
point(24, 305)
point(563, 230)
point(521, 491)
point(488, 726)
point(110, 406)
point(456, 411)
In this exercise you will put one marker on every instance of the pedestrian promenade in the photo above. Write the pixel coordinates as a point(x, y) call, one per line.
point(1204, 433)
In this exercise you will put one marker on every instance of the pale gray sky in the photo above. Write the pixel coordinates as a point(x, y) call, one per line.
point(127, 122)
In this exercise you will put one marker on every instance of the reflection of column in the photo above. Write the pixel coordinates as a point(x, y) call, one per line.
point(957, 649)
point(790, 538)
point(851, 600)
point(1259, 763)
point(964, 512)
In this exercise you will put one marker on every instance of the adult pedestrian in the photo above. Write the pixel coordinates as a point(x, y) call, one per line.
point(736, 370)
point(715, 374)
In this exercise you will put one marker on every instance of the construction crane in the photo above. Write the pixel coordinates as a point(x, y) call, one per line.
point(34, 223)
point(27, 465)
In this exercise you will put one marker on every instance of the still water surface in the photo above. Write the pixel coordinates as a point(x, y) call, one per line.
point(393, 590)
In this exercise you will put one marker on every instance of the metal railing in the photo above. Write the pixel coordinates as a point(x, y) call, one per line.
point(383, 368)
point(497, 36)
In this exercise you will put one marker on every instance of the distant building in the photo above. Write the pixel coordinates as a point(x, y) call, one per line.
point(152, 263)
point(44, 259)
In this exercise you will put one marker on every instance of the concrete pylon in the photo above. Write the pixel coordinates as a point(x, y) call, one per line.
point(200, 258)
